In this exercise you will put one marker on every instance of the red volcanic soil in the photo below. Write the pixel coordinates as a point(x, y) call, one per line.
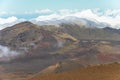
point(108, 57)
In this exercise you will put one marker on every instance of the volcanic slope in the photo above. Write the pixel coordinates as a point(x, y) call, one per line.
point(99, 72)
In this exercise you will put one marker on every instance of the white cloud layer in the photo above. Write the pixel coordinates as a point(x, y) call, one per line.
point(43, 11)
point(6, 54)
point(48, 17)
point(7, 20)
point(111, 17)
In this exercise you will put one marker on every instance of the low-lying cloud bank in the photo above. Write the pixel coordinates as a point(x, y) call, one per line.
point(111, 17)
point(6, 54)
point(10, 21)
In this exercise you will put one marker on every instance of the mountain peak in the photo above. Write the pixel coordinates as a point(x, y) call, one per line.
point(25, 23)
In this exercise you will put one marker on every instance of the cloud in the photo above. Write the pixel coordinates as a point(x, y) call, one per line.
point(43, 11)
point(48, 17)
point(111, 17)
point(6, 54)
point(60, 14)
point(112, 12)
point(8, 20)
point(65, 13)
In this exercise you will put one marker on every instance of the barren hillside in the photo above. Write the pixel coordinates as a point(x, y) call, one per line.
point(99, 72)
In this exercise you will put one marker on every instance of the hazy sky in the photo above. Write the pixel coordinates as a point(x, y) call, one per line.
point(29, 8)
point(23, 5)
point(20, 6)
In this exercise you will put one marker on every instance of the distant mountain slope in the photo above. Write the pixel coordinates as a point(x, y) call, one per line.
point(27, 35)
point(83, 32)
point(100, 72)
point(31, 40)
point(84, 28)
point(112, 30)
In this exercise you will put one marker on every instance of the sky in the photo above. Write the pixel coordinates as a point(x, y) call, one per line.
point(20, 7)
point(13, 10)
